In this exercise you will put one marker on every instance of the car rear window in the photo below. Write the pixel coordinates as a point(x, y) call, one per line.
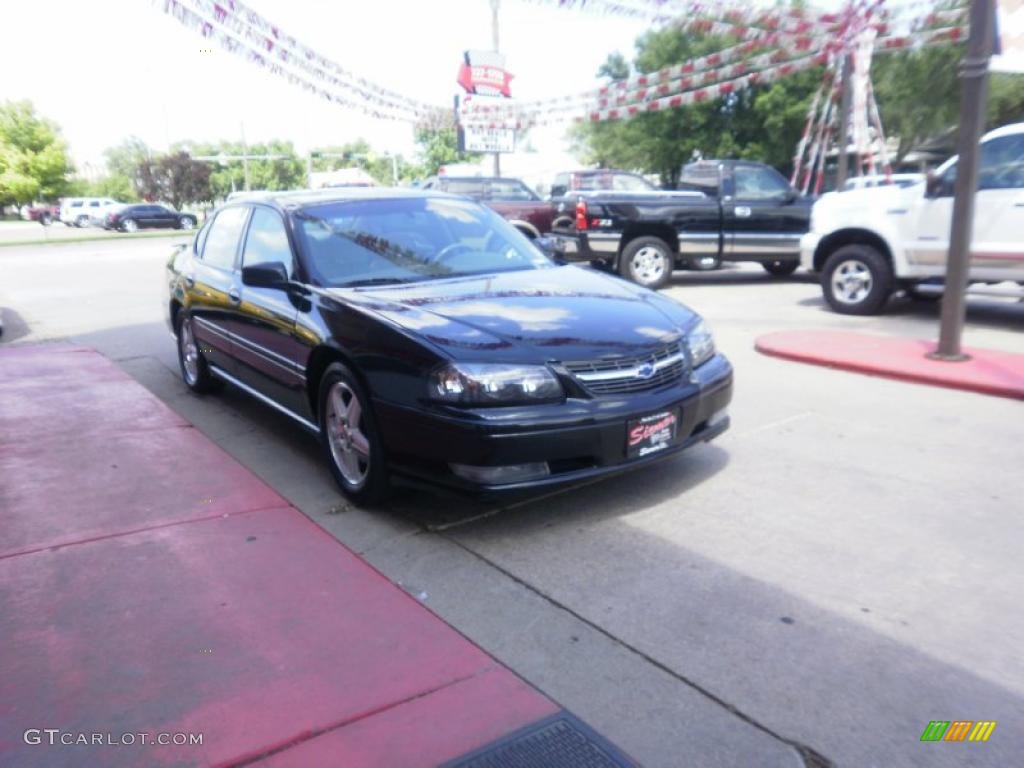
point(468, 187)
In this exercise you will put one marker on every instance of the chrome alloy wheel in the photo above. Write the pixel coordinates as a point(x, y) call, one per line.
point(648, 265)
point(189, 351)
point(851, 281)
point(349, 446)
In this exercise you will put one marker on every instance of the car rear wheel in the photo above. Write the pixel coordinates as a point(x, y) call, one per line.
point(349, 436)
point(194, 370)
point(857, 280)
point(129, 225)
point(780, 268)
point(82, 221)
point(186, 222)
point(647, 261)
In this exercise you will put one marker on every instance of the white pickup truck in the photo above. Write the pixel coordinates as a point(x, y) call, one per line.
point(869, 243)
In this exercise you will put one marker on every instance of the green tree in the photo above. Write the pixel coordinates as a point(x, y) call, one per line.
point(438, 142)
point(34, 161)
point(287, 172)
point(762, 122)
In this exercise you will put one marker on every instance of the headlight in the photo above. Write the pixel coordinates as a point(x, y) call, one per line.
point(489, 384)
point(701, 344)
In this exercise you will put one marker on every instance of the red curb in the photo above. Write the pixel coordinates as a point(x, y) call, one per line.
point(152, 584)
point(988, 372)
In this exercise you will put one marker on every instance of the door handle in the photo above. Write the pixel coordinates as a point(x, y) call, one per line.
point(234, 295)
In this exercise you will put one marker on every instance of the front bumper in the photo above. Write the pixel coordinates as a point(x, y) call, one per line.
point(579, 439)
point(808, 247)
point(586, 246)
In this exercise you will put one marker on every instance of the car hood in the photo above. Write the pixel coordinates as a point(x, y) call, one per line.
point(561, 313)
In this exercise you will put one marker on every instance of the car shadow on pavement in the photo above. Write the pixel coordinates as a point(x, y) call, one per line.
point(986, 313)
point(850, 681)
point(727, 277)
point(13, 326)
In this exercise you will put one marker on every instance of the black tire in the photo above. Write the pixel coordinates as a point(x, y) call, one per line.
point(187, 222)
point(861, 264)
point(129, 225)
point(197, 378)
point(372, 488)
point(45, 220)
point(82, 222)
point(781, 268)
point(647, 261)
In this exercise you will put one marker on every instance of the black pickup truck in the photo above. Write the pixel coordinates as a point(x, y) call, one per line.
point(724, 210)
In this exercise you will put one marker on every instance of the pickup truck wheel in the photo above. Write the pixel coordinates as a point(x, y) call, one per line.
point(857, 280)
point(646, 261)
point(780, 268)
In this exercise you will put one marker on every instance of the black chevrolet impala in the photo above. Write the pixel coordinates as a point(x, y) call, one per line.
point(420, 334)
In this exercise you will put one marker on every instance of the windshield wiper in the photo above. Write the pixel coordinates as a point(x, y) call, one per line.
point(376, 281)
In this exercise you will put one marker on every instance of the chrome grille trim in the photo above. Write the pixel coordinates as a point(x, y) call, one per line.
point(613, 376)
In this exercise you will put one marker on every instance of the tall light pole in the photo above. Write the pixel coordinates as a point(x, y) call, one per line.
point(495, 43)
point(973, 98)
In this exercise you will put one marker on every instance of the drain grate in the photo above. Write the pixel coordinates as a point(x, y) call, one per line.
point(559, 741)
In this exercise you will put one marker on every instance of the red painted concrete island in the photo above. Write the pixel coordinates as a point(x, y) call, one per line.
point(154, 590)
point(988, 372)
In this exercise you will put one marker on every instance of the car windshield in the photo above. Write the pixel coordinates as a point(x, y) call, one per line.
point(404, 240)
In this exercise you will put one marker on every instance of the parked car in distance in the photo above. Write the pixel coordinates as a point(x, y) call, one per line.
point(420, 334)
point(83, 211)
point(44, 214)
point(511, 198)
point(867, 244)
point(881, 180)
point(131, 218)
point(725, 210)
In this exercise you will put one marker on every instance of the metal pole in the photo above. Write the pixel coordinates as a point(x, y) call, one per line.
point(494, 41)
point(973, 97)
point(844, 122)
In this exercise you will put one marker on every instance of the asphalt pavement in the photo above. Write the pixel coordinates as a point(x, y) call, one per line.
point(814, 587)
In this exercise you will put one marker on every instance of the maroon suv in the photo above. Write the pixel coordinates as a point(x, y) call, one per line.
point(511, 198)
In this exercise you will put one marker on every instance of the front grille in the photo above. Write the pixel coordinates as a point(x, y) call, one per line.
point(622, 375)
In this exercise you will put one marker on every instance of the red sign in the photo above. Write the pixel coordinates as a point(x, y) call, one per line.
point(483, 73)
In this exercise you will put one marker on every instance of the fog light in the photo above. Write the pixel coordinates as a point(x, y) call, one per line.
point(718, 417)
point(509, 473)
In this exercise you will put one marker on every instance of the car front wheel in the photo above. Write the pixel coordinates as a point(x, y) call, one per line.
point(647, 261)
point(349, 436)
point(82, 221)
point(129, 225)
point(186, 222)
point(857, 280)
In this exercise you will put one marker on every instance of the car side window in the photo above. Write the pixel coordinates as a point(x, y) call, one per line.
point(267, 240)
point(222, 241)
point(501, 189)
point(1002, 163)
point(624, 182)
point(754, 183)
point(560, 185)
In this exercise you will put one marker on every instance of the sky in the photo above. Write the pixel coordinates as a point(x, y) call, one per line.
point(108, 69)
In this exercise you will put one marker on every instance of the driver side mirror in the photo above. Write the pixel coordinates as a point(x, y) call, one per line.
point(272, 274)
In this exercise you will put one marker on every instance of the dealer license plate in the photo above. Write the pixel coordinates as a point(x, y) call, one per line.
point(650, 434)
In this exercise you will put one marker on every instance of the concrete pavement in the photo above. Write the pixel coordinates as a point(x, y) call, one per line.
point(835, 572)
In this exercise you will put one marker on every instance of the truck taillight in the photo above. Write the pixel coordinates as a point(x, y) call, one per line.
point(581, 215)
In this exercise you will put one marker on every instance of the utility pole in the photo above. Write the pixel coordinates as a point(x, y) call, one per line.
point(245, 158)
point(494, 42)
point(973, 97)
point(845, 109)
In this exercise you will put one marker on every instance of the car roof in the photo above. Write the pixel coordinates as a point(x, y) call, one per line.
point(1006, 130)
point(301, 198)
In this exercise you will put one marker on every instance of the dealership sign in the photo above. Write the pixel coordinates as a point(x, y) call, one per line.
point(1009, 47)
point(478, 138)
point(483, 73)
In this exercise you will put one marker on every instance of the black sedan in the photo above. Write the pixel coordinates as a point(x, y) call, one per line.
point(131, 218)
point(421, 335)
